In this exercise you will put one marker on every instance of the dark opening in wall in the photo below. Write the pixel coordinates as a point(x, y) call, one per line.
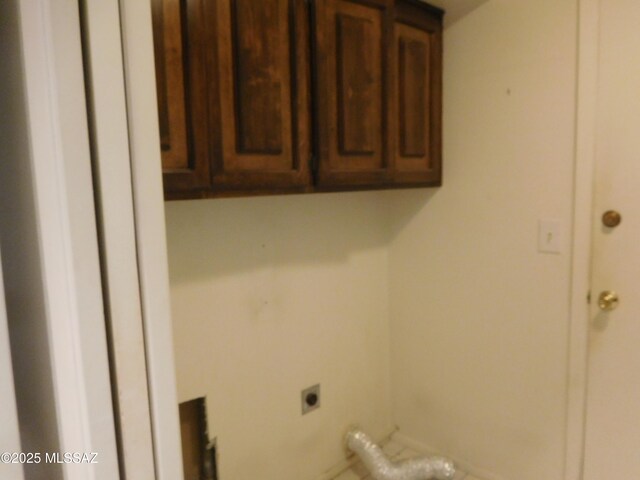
point(198, 453)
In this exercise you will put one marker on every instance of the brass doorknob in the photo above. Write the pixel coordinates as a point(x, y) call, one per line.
point(611, 218)
point(608, 300)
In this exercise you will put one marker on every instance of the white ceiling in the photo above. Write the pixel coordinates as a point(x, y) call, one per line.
point(455, 9)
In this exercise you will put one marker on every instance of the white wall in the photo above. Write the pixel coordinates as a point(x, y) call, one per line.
point(271, 295)
point(479, 318)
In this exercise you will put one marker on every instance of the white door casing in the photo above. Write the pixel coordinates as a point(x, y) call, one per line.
point(148, 204)
point(112, 180)
point(119, 56)
point(612, 438)
point(52, 274)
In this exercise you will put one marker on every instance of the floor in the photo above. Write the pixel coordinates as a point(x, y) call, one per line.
point(395, 452)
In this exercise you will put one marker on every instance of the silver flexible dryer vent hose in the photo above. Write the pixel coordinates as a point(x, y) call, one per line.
point(381, 468)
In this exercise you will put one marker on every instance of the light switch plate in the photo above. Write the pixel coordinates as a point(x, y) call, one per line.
point(550, 236)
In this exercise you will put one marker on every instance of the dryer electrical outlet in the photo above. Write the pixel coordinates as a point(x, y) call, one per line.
point(310, 399)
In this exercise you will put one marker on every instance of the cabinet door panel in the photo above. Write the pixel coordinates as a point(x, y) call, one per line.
point(359, 75)
point(351, 80)
point(259, 87)
point(260, 94)
point(417, 110)
point(413, 91)
point(180, 81)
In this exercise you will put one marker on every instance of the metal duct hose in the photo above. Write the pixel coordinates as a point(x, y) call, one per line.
point(382, 468)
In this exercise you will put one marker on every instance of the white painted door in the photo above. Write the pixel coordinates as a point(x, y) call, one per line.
point(612, 448)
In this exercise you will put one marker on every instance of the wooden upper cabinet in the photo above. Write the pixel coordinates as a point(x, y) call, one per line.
point(352, 86)
point(181, 87)
point(416, 107)
point(259, 94)
point(266, 96)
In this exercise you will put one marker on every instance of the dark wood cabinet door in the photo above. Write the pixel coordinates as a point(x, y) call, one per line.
point(259, 94)
point(416, 110)
point(352, 87)
point(181, 84)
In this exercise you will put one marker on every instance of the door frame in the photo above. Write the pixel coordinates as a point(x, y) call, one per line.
point(127, 160)
point(583, 218)
point(137, 42)
point(49, 140)
point(57, 172)
point(148, 208)
point(148, 203)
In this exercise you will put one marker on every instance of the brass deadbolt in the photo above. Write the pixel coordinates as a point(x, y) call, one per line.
point(611, 218)
point(608, 301)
